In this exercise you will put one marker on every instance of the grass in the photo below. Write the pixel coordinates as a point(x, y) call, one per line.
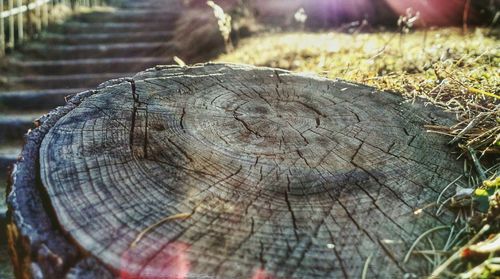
point(457, 72)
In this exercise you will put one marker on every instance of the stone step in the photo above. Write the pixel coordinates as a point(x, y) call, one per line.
point(14, 126)
point(174, 5)
point(30, 100)
point(8, 156)
point(89, 66)
point(65, 81)
point(73, 27)
point(106, 38)
point(136, 15)
point(81, 53)
point(54, 52)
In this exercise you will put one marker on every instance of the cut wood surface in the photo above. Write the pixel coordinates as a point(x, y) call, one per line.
point(231, 171)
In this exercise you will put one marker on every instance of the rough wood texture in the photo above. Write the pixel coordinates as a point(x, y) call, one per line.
point(231, 171)
point(38, 248)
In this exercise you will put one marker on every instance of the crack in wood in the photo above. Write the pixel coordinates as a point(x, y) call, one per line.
point(261, 255)
point(317, 111)
point(292, 215)
point(278, 76)
point(181, 150)
point(135, 99)
point(302, 157)
point(182, 119)
point(145, 146)
point(245, 124)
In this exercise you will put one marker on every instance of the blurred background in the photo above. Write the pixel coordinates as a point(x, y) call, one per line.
point(445, 51)
point(250, 16)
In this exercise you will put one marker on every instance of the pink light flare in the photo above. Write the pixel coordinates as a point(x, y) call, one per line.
point(170, 263)
point(322, 12)
point(432, 12)
point(261, 274)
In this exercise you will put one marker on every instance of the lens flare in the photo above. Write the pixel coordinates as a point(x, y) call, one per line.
point(432, 13)
point(171, 262)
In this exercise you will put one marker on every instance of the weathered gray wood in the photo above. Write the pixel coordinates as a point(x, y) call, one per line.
point(233, 171)
point(37, 248)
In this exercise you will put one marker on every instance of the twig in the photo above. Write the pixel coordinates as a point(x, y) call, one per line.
point(471, 125)
point(455, 239)
point(457, 254)
point(180, 216)
point(478, 166)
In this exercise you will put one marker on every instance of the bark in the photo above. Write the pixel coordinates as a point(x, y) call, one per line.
point(228, 171)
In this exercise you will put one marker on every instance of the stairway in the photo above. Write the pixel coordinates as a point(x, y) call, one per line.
point(70, 58)
point(77, 55)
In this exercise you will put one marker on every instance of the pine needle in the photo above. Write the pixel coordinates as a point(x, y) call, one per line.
point(407, 257)
point(180, 216)
point(365, 267)
point(440, 269)
point(479, 91)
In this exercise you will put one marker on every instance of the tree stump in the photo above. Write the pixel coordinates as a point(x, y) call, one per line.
point(228, 171)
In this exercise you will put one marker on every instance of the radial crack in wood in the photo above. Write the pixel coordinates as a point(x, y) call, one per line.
point(273, 173)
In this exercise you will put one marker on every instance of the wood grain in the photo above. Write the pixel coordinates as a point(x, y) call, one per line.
point(231, 171)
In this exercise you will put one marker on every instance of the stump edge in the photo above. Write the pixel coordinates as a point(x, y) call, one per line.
point(37, 246)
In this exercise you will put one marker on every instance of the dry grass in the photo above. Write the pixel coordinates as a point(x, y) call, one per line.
point(455, 71)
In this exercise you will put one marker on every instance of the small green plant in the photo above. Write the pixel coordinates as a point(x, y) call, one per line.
point(487, 193)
